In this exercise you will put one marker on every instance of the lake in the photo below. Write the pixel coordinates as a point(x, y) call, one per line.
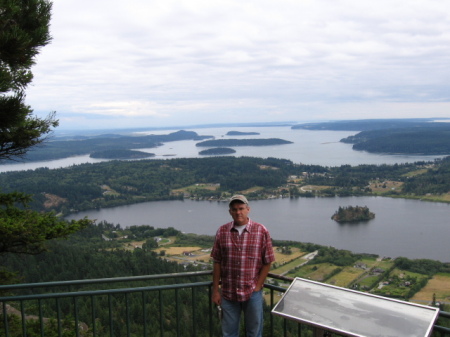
point(308, 147)
point(401, 227)
point(409, 228)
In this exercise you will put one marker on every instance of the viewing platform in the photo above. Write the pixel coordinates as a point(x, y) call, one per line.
point(152, 305)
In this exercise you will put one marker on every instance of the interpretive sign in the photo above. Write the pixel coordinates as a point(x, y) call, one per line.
point(353, 313)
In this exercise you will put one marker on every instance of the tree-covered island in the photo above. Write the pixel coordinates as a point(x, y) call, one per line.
point(243, 142)
point(352, 214)
point(217, 151)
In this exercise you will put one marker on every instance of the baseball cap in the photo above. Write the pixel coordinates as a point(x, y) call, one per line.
point(238, 197)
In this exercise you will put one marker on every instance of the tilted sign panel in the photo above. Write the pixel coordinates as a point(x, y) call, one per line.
point(354, 313)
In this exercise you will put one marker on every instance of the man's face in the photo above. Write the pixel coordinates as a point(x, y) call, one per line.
point(239, 213)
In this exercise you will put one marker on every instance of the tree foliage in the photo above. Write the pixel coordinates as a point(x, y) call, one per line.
point(24, 30)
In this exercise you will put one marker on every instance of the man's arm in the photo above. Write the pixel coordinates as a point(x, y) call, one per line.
point(216, 297)
point(262, 276)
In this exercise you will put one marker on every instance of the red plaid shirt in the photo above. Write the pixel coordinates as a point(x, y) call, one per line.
point(241, 258)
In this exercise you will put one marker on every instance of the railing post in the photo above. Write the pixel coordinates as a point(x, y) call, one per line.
point(93, 314)
point(41, 320)
point(210, 311)
point(111, 330)
point(127, 313)
point(5, 319)
point(194, 313)
point(177, 310)
point(24, 321)
point(77, 322)
point(58, 317)
point(161, 314)
point(144, 313)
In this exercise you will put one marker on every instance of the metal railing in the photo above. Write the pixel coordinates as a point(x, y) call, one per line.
point(154, 305)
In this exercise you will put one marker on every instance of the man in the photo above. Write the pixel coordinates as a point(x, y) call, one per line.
point(242, 255)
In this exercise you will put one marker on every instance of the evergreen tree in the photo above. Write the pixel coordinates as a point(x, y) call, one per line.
point(24, 29)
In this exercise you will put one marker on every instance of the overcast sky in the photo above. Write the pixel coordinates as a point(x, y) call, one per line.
point(156, 63)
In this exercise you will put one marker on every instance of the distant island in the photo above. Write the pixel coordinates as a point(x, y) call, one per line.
point(414, 136)
point(121, 154)
point(352, 214)
point(243, 142)
point(217, 151)
point(239, 133)
point(82, 145)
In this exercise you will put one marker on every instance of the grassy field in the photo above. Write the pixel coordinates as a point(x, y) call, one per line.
point(439, 286)
point(346, 276)
point(316, 272)
point(362, 272)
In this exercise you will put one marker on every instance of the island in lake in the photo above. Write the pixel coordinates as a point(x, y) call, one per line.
point(239, 133)
point(352, 214)
point(217, 151)
point(243, 142)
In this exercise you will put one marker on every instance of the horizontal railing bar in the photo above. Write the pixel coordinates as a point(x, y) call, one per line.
point(444, 314)
point(103, 280)
point(437, 328)
point(281, 277)
point(105, 292)
point(441, 329)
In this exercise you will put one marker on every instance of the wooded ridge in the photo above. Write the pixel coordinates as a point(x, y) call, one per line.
point(114, 183)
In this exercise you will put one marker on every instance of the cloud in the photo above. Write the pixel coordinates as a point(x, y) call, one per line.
point(215, 60)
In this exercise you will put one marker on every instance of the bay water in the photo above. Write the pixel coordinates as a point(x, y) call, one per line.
point(308, 147)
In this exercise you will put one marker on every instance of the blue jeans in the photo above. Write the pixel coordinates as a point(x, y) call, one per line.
point(253, 316)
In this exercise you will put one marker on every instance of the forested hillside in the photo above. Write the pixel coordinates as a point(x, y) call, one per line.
point(430, 139)
point(114, 183)
point(408, 136)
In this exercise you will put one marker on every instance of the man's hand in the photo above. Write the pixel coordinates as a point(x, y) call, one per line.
point(216, 298)
point(257, 288)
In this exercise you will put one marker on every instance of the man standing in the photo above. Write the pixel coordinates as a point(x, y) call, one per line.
point(242, 255)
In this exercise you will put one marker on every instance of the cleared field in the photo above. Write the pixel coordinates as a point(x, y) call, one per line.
point(346, 276)
point(209, 187)
point(281, 258)
point(439, 285)
point(316, 272)
point(385, 186)
point(288, 266)
point(177, 250)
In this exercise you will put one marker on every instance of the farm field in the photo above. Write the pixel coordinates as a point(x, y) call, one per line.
point(438, 286)
point(370, 273)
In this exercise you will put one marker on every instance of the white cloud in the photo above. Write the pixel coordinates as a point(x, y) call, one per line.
point(165, 59)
